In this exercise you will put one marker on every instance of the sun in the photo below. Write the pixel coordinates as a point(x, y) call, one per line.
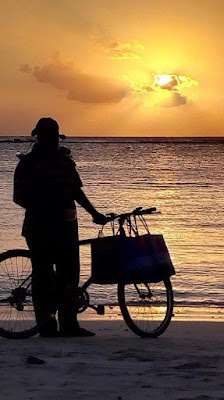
point(162, 80)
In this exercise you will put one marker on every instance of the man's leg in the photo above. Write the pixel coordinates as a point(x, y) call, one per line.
point(43, 285)
point(68, 279)
point(67, 272)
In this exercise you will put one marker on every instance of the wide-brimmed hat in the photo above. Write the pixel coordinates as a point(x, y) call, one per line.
point(46, 126)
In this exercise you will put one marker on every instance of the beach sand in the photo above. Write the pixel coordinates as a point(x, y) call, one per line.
point(186, 362)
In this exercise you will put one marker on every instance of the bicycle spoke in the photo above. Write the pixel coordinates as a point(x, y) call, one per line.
point(25, 266)
point(7, 272)
point(17, 320)
point(147, 309)
point(17, 271)
point(12, 269)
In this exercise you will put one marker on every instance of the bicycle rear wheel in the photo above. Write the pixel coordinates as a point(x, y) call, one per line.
point(147, 308)
point(17, 318)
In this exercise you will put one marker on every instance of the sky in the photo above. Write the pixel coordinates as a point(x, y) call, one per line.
point(113, 68)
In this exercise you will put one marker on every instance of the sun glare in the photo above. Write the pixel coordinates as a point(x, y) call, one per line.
point(162, 80)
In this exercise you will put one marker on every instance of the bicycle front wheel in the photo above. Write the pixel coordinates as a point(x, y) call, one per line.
point(17, 318)
point(147, 308)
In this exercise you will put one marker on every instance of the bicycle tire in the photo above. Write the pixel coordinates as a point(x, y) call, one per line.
point(17, 321)
point(147, 317)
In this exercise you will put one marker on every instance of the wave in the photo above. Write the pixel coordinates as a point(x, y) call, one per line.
point(169, 184)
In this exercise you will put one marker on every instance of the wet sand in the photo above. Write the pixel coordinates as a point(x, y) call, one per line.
point(186, 362)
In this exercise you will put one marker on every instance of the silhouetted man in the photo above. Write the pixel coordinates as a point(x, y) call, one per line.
point(47, 184)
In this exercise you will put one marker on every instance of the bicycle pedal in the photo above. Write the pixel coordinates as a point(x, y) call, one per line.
point(100, 309)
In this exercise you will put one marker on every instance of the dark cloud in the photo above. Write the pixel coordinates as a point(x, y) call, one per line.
point(78, 85)
point(147, 88)
point(25, 68)
point(177, 99)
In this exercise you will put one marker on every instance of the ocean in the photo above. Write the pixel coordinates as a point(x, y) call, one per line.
point(182, 177)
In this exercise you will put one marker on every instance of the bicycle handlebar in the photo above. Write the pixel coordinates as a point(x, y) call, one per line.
point(136, 211)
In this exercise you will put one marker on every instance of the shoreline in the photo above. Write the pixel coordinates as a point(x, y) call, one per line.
point(181, 313)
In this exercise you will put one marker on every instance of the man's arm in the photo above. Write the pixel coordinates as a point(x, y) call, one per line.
point(81, 198)
point(23, 188)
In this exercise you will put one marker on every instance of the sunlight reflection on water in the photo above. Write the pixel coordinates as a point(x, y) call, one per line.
point(184, 181)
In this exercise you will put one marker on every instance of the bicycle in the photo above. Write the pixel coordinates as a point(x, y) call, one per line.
point(147, 308)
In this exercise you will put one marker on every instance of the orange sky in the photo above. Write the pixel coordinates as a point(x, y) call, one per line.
point(94, 66)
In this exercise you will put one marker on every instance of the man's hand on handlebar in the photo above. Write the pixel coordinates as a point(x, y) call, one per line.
point(99, 218)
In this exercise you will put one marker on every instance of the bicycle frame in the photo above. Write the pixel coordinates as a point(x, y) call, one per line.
point(146, 319)
point(122, 218)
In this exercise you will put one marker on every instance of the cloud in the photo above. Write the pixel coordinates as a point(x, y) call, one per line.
point(174, 82)
point(117, 50)
point(77, 84)
point(176, 85)
point(177, 99)
point(126, 51)
point(147, 88)
point(163, 90)
point(25, 68)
